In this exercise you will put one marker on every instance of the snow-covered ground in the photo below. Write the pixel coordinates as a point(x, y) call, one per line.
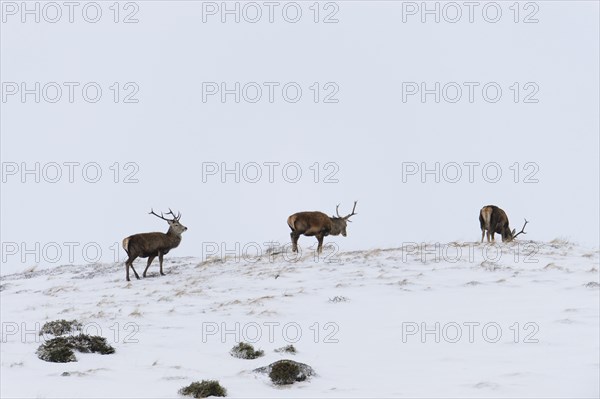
point(526, 325)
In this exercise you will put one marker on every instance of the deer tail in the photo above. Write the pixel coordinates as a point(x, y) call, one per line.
point(126, 245)
point(292, 222)
point(486, 212)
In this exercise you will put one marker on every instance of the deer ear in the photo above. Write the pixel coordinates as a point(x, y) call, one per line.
point(513, 232)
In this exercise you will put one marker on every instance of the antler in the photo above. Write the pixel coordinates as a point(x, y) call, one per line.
point(175, 218)
point(353, 213)
point(336, 210)
point(522, 230)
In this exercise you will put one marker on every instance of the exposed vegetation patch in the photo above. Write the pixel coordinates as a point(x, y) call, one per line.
point(56, 350)
point(338, 299)
point(592, 284)
point(286, 349)
point(61, 349)
point(560, 241)
point(285, 372)
point(91, 344)
point(203, 389)
point(245, 351)
point(60, 327)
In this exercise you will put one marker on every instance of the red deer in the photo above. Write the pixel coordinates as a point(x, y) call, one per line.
point(151, 245)
point(494, 220)
point(317, 224)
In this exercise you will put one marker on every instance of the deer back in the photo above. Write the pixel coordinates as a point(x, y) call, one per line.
point(147, 244)
point(494, 219)
point(309, 223)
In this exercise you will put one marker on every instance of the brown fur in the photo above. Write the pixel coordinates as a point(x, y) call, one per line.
point(310, 223)
point(494, 220)
point(151, 245)
point(318, 224)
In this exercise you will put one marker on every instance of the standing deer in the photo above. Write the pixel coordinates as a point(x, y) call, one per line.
point(317, 224)
point(151, 245)
point(494, 220)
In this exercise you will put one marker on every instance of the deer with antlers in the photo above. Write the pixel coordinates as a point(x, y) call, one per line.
point(151, 245)
point(317, 224)
point(494, 220)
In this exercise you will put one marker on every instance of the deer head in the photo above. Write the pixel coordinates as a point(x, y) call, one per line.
point(508, 235)
point(339, 222)
point(174, 226)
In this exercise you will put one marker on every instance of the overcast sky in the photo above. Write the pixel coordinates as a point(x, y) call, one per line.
point(359, 130)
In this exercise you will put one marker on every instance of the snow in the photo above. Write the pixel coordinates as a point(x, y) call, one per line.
point(366, 304)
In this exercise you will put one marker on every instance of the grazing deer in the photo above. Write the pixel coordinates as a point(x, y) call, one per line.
point(494, 220)
point(151, 245)
point(317, 224)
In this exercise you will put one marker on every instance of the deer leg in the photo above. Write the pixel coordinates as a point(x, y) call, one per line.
point(320, 239)
point(150, 259)
point(160, 259)
point(295, 236)
point(482, 234)
point(128, 264)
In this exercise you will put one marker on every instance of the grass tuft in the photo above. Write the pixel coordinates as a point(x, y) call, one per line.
point(245, 351)
point(203, 389)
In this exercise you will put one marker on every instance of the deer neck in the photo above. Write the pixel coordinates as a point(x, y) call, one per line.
point(176, 237)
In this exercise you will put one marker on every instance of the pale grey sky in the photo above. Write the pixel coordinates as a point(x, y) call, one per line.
point(369, 61)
